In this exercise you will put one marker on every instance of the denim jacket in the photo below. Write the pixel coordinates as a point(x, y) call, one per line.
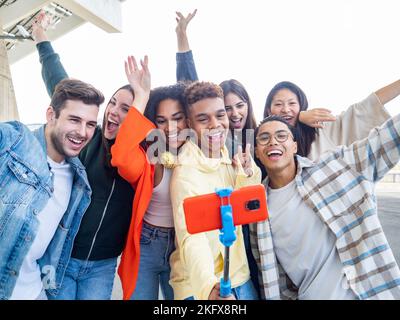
point(185, 67)
point(26, 184)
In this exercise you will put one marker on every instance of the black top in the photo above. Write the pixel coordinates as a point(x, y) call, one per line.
point(105, 225)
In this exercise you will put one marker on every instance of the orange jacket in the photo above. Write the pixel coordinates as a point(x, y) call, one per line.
point(134, 166)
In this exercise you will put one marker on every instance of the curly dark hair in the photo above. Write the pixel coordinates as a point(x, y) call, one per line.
point(157, 95)
point(200, 90)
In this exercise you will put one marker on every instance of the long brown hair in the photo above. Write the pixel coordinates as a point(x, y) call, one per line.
point(106, 143)
point(235, 87)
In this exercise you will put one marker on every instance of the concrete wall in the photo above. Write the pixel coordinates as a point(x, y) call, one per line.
point(8, 104)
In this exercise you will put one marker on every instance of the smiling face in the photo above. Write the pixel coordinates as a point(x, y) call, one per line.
point(276, 148)
point(237, 111)
point(208, 118)
point(67, 134)
point(172, 120)
point(286, 105)
point(116, 111)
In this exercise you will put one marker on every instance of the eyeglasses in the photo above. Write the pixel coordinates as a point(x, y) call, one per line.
point(280, 136)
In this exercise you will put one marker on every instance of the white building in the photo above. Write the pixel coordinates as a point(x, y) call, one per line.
point(68, 15)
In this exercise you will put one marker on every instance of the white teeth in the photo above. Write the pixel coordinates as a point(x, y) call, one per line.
point(274, 152)
point(236, 120)
point(113, 122)
point(75, 141)
point(215, 135)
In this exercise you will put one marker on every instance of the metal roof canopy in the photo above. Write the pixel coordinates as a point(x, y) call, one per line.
point(69, 14)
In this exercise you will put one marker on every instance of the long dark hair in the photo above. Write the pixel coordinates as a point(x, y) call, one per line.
point(107, 144)
point(306, 134)
point(235, 87)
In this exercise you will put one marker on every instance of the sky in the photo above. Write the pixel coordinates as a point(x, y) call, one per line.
point(337, 51)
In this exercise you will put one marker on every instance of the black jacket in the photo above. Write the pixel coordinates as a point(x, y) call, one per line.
point(105, 225)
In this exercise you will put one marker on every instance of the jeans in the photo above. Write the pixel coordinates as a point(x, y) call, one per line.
point(250, 259)
point(88, 280)
point(156, 246)
point(244, 292)
point(42, 295)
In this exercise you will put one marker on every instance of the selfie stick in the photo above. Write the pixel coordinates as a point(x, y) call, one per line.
point(227, 237)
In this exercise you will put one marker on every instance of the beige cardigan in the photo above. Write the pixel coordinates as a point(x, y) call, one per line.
point(351, 125)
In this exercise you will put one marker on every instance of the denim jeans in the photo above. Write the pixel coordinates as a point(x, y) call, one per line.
point(156, 246)
point(250, 259)
point(88, 280)
point(42, 295)
point(244, 292)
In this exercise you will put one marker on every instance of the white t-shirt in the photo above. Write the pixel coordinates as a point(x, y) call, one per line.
point(29, 283)
point(305, 247)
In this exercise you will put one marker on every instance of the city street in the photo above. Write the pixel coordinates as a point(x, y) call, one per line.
point(389, 215)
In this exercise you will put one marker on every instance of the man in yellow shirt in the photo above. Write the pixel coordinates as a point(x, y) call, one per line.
point(204, 165)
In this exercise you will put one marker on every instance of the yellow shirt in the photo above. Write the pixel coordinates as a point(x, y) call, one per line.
point(197, 262)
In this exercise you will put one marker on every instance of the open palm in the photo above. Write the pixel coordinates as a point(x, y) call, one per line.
point(139, 79)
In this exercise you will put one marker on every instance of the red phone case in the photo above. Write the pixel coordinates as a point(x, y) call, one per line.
point(203, 213)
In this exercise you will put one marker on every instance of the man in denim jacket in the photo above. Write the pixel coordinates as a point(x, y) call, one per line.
point(44, 191)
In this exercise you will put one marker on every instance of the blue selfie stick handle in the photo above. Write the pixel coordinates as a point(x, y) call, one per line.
point(225, 288)
point(227, 237)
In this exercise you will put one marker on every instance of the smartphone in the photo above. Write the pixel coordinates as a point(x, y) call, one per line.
point(202, 213)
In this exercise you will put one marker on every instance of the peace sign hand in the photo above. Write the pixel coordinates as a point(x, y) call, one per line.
point(182, 21)
point(243, 159)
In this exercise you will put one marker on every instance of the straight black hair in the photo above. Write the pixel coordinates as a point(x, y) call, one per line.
point(306, 135)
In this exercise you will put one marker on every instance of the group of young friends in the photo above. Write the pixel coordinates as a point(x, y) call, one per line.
point(75, 196)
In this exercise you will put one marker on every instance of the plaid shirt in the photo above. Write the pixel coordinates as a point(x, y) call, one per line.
point(339, 188)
